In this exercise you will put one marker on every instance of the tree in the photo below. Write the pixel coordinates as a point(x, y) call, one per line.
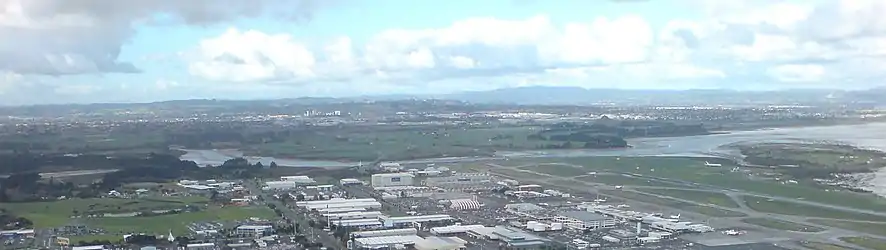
point(273, 165)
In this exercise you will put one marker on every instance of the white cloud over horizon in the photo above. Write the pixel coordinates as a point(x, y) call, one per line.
point(838, 44)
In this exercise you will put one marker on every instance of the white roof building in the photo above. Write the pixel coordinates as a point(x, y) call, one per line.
point(440, 243)
point(387, 232)
point(353, 215)
point(393, 221)
point(350, 181)
point(94, 247)
point(357, 223)
point(355, 205)
point(304, 179)
point(385, 241)
point(332, 201)
point(455, 229)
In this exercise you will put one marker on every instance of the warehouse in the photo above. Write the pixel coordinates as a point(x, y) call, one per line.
point(320, 187)
point(340, 210)
point(388, 232)
point(440, 243)
point(302, 179)
point(391, 222)
point(358, 223)
point(350, 181)
point(354, 205)
point(463, 182)
point(391, 179)
point(280, 185)
point(383, 242)
point(454, 229)
point(353, 215)
point(582, 220)
point(332, 201)
point(253, 230)
point(524, 209)
point(511, 237)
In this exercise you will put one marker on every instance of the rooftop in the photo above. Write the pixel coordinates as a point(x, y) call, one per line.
point(388, 240)
point(582, 215)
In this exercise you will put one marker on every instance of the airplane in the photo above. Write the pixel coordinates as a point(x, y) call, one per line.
point(708, 164)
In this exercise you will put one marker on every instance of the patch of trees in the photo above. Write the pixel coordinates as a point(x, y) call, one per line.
point(29, 162)
point(29, 187)
point(626, 129)
point(10, 222)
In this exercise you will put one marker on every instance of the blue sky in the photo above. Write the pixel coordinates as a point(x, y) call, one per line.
point(164, 49)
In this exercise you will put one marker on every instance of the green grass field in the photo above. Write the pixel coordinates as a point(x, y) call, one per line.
point(706, 210)
point(782, 225)
point(407, 143)
point(617, 179)
point(557, 170)
point(790, 208)
point(693, 170)
point(822, 246)
point(59, 213)
point(864, 227)
point(705, 197)
point(177, 222)
point(866, 242)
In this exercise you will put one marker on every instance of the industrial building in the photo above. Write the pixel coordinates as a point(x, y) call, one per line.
point(582, 220)
point(253, 230)
point(391, 179)
point(392, 222)
point(510, 237)
point(352, 215)
point(463, 182)
point(281, 185)
point(340, 210)
point(454, 229)
point(301, 179)
point(387, 232)
point(367, 205)
point(524, 209)
point(340, 204)
point(406, 241)
point(358, 223)
point(332, 201)
point(536, 226)
point(350, 181)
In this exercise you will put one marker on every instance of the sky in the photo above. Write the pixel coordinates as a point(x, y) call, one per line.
point(87, 51)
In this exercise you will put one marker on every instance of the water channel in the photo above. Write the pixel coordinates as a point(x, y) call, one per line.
point(871, 135)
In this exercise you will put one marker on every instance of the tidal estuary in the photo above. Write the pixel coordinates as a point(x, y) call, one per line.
point(872, 136)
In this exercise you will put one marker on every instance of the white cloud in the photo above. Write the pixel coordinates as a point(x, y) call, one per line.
point(52, 37)
point(731, 42)
point(756, 39)
point(798, 73)
point(77, 89)
point(252, 56)
point(478, 46)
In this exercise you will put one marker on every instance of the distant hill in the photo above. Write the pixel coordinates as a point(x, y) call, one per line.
point(581, 96)
point(535, 95)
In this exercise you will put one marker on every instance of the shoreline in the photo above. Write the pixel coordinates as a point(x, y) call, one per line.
point(234, 152)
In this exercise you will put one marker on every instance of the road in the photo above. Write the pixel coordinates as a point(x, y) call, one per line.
point(830, 235)
point(72, 173)
point(299, 217)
